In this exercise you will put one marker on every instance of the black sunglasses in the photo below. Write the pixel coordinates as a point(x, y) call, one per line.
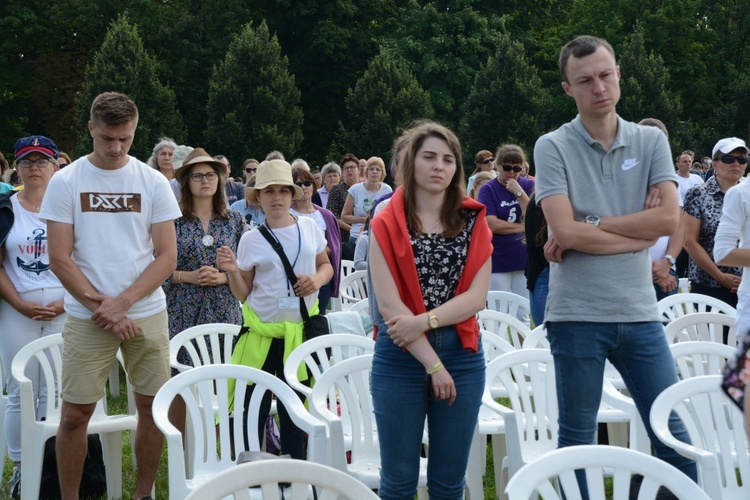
point(488, 160)
point(729, 159)
point(508, 168)
point(304, 183)
point(251, 170)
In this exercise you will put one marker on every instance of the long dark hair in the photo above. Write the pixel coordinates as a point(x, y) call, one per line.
point(218, 202)
point(450, 214)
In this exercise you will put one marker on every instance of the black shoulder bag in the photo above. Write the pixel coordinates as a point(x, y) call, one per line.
point(313, 326)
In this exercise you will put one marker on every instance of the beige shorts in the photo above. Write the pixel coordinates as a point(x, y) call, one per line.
point(89, 351)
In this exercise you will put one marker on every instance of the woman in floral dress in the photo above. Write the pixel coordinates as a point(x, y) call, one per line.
point(198, 293)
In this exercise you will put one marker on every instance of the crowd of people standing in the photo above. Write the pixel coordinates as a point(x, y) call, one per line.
point(593, 241)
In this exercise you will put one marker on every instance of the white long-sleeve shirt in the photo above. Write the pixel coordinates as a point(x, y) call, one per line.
point(734, 227)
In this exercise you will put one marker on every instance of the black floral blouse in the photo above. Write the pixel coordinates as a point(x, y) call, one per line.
point(705, 202)
point(440, 262)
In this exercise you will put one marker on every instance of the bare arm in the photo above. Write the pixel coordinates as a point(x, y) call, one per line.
point(32, 310)
point(567, 233)
point(408, 330)
point(113, 309)
point(347, 213)
point(61, 238)
point(650, 223)
point(692, 227)
point(311, 283)
point(729, 233)
point(401, 321)
point(499, 226)
point(240, 282)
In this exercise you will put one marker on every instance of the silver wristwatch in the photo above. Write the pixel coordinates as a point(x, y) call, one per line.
point(594, 220)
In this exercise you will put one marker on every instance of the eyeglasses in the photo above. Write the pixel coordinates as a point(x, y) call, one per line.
point(508, 168)
point(488, 161)
point(41, 163)
point(198, 177)
point(350, 167)
point(304, 183)
point(729, 159)
point(251, 170)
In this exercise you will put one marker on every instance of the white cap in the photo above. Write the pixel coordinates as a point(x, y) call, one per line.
point(179, 155)
point(729, 144)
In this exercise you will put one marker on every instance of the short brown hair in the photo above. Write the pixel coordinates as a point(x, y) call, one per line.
point(301, 174)
point(348, 157)
point(579, 47)
point(113, 108)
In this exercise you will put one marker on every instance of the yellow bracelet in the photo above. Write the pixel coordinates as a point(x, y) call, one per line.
point(435, 368)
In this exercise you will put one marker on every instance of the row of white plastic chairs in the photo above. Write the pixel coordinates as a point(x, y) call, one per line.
point(129, 422)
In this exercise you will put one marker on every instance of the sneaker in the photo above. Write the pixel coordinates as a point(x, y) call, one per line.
point(15, 482)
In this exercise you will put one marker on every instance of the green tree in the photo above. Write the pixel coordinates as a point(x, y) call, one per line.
point(507, 103)
point(445, 45)
point(645, 88)
point(123, 65)
point(253, 101)
point(383, 102)
point(329, 45)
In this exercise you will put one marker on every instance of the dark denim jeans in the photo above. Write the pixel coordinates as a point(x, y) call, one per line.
point(538, 297)
point(640, 353)
point(402, 397)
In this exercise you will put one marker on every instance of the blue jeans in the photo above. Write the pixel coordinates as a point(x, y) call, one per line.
point(324, 297)
point(402, 397)
point(640, 353)
point(538, 297)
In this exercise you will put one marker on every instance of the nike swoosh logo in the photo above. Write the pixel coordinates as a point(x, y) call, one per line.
point(629, 163)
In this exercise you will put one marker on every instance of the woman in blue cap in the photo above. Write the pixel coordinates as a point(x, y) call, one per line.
point(32, 305)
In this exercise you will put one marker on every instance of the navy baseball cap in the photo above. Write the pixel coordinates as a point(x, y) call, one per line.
point(38, 144)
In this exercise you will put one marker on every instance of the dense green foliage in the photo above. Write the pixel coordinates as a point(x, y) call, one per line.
point(385, 101)
point(253, 102)
point(682, 61)
point(122, 65)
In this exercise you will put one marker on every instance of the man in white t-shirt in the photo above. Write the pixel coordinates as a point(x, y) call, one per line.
point(685, 180)
point(112, 244)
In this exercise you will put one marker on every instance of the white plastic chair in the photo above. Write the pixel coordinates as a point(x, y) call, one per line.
point(328, 482)
point(490, 424)
point(347, 267)
point(47, 351)
point(558, 467)
point(504, 325)
point(362, 306)
point(508, 303)
point(216, 437)
point(353, 288)
point(537, 339)
point(320, 354)
point(197, 339)
point(683, 285)
point(531, 420)
point(680, 304)
point(703, 326)
point(716, 429)
point(346, 387)
point(696, 358)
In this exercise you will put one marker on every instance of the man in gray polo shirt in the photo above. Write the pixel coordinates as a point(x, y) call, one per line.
point(608, 191)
